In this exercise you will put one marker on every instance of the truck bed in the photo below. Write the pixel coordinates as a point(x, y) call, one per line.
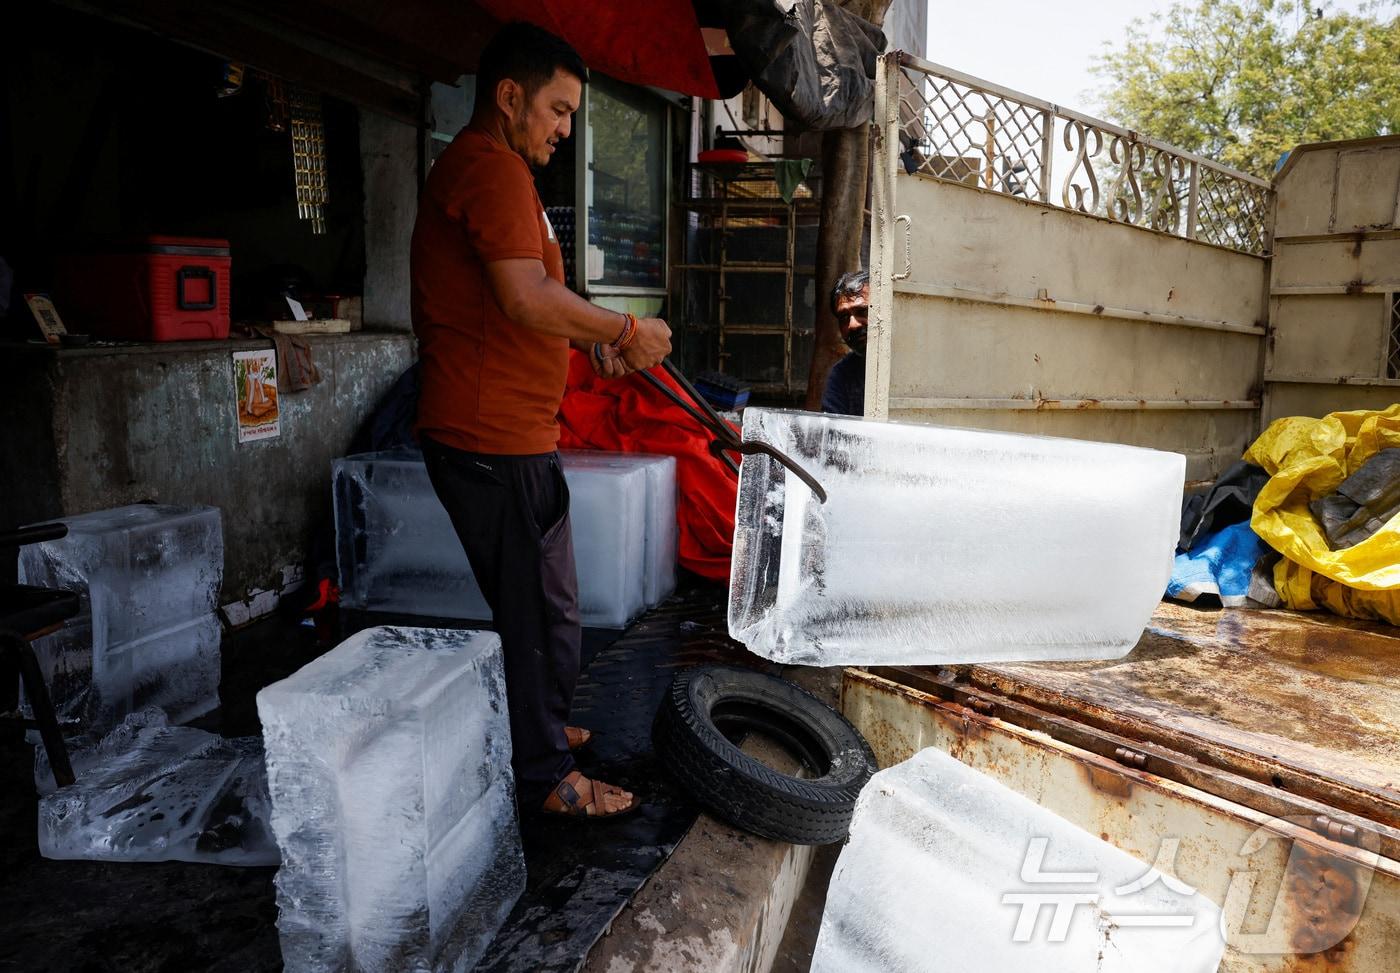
point(1305, 701)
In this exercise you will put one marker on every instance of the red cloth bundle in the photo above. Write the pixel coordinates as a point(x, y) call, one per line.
point(626, 415)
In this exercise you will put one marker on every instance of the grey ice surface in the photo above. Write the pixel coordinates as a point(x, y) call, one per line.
point(393, 802)
point(608, 515)
point(146, 633)
point(398, 552)
point(660, 536)
point(150, 792)
point(945, 866)
point(941, 545)
point(396, 549)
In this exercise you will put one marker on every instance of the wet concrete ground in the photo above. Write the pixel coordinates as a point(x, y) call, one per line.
point(177, 917)
point(165, 917)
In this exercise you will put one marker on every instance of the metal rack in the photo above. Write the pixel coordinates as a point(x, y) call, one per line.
point(740, 243)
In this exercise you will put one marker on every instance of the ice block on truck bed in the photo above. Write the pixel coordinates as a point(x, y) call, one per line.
point(941, 545)
point(393, 802)
point(985, 878)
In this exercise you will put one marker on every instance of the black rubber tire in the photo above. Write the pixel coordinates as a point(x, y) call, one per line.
point(743, 791)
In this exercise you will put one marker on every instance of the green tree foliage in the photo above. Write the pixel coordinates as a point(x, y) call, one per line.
point(1243, 81)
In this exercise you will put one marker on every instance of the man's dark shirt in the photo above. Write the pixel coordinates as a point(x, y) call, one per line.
point(845, 387)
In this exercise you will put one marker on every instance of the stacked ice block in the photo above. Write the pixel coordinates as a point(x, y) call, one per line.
point(149, 791)
point(395, 545)
point(393, 802)
point(147, 634)
point(938, 545)
point(397, 550)
point(658, 523)
point(607, 510)
point(985, 877)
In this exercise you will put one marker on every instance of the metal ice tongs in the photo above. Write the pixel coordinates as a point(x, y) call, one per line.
point(725, 440)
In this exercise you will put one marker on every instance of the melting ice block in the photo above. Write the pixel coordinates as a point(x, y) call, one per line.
point(393, 802)
point(659, 534)
point(663, 532)
point(148, 581)
point(395, 545)
point(608, 515)
point(397, 550)
point(153, 792)
point(940, 545)
point(981, 871)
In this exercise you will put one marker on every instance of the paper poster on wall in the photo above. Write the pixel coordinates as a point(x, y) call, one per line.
point(255, 389)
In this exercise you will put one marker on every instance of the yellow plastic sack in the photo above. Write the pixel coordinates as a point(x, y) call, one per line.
point(1307, 459)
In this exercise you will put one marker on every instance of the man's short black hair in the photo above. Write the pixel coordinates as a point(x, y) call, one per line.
point(527, 55)
point(849, 284)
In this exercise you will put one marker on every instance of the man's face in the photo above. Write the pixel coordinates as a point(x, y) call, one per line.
point(851, 314)
point(537, 122)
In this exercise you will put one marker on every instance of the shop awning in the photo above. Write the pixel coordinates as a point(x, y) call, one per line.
point(377, 54)
point(645, 42)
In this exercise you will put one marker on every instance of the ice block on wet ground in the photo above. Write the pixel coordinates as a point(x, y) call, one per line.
point(398, 552)
point(607, 510)
point(393, 802)
point(660, 535)
point(395, 545)
point(942, 545)
point(146, 633)
point(149, 791)
point(989, 880)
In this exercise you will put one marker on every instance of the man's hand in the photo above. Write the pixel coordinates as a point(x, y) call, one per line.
point(606, 362)
point(653, 343)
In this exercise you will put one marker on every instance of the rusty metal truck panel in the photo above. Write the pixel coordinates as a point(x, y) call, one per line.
point(1260, 746)
point(1307, 702)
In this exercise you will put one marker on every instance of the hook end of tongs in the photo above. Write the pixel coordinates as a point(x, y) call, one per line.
point(788, 463)
point(726, 440)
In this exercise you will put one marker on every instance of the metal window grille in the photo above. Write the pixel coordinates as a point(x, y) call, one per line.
point(960, 128)
point(1392, 359)
point(309, 157)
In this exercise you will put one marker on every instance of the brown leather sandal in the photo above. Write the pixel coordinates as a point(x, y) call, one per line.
point(577, 737)
point(568, 798)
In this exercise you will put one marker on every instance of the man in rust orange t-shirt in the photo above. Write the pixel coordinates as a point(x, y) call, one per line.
point(494, 324)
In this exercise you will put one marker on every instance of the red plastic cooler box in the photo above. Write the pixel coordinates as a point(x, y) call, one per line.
point(154, 288)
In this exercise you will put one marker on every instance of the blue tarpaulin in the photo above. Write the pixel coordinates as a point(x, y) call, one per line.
point(1219, 564)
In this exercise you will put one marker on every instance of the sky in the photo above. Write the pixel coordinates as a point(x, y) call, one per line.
point(1044, 48)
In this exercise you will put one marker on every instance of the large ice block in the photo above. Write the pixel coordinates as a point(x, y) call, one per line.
point(395, 545)
point(941, 545)
point(393, 802)
point(148, 578)
point(607, 510)
point(948, 869)
point(397, 550)
point(660, 535)
point(139, 569)
point(176, 670)
point(149, 791)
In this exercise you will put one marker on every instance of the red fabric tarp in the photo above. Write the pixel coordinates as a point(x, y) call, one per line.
point(655, 42)
point(626, 415)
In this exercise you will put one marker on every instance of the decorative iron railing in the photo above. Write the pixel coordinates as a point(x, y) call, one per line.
point(957, 127)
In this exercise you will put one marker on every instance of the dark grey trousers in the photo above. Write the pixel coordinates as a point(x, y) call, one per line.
point(512, 516)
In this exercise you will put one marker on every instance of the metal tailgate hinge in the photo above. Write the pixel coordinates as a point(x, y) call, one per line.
point(1130, 758)
point(1325, 826)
